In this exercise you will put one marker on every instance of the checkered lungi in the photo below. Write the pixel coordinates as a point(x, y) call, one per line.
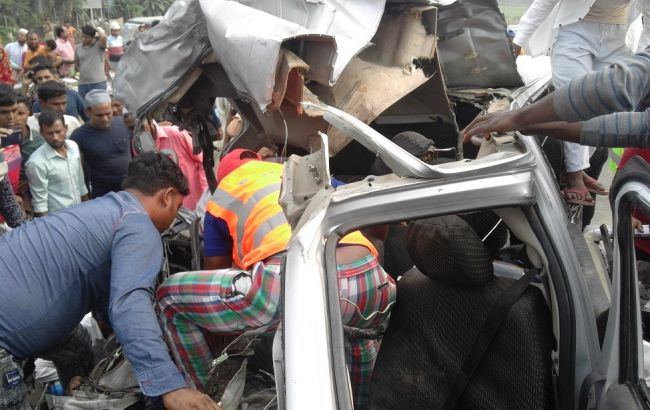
point(195, 302)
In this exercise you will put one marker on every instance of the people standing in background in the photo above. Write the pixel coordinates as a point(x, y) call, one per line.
point(48, 28)
point(52, 55)
point(105, 145)
point(75, 105)
point(89, 60)
point(9, 207)
point(15, 50)
point(34, 49)
point(72, 31)
point(65, 50)
point(115, 45)
point(6, 73)
point(583, 36)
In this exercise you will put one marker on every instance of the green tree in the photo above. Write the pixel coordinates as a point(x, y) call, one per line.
point(155, 7)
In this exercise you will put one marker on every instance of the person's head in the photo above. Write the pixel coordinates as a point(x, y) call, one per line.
point(7, 106)
point(61, 32)
point(47, 19)
point(32, 41)
point(115, 28)
point(99, 109)
point(21, 36)
point(43, 73)
point(53, 128)
point(141, 28)
point(53, 97)
point(23, 110)
point(118, 107)
point(130, 122)
point(160, 186)
point(67, 23)
point(417, 145)
point(88, 35)
point(233, 160)
point(51, 45)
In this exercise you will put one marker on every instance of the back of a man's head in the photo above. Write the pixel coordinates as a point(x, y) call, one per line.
point(51, 89)
point(7, 95)
point(150, 172)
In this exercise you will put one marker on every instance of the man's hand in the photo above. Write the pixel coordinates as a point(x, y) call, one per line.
point(5, 132)
point(189, 399)
point(484, 125)
point(516, 49)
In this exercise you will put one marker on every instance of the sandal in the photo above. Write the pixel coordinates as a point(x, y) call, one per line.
point(583, 194)
point(594, 186)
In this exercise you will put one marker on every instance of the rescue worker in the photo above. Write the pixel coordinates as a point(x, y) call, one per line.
point(246, 235)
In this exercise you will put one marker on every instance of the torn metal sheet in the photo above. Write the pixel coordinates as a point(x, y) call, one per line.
point(246, 38)
point(157, 60)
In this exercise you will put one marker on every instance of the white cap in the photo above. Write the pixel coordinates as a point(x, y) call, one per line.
point(114, 25)
point(23, 31)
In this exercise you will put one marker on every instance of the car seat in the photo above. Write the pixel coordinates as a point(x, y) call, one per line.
point(441, 306)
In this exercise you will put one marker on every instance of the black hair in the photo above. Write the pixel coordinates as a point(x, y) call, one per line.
point(48, 118)
point(25, 99)
point(41, 67)
point(58, 30)
point(155, 23)
point(150, 172)
point(90, 31)
point(51, 89)
point(7, 95)
point(51, 44)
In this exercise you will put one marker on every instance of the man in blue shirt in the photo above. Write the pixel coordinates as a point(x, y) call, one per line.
point(101, 256)
point(105, 144)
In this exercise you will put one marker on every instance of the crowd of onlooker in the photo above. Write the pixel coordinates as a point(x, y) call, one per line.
point(61, 146)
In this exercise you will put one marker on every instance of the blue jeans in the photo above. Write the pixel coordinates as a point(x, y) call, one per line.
point(84, 89)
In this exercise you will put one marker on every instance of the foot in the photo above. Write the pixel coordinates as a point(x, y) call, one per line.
point(593, 185)
point(576, 192)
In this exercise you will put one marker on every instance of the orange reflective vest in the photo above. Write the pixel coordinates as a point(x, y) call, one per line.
point(247, 200)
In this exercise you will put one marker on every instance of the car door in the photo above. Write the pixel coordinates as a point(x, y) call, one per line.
point(620, 382)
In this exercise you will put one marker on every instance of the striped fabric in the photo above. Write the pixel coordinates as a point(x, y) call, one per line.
point(612, 90)
point(193, 302)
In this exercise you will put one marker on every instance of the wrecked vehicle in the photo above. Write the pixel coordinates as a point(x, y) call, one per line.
point(331, 82)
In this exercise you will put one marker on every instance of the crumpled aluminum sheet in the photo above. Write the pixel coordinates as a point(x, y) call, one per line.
point(157, 59)
point(246, 37)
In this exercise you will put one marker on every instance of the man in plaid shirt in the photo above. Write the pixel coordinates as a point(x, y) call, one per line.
point(246, 234)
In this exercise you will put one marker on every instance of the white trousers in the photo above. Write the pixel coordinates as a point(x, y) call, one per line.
point(580, 48)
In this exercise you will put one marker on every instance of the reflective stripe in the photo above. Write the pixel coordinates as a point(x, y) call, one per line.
point(615, 155)
point(267, 227)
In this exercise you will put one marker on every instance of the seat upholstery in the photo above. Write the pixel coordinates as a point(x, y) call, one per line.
point(441, 306)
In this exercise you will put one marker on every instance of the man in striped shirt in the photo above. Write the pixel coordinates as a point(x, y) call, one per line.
point(599, 109)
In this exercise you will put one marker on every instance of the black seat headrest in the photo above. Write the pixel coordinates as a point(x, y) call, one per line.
point(446, 248)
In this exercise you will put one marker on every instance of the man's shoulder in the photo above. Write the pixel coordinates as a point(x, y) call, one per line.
point(80, 132)
point(39, 157)
point(71, 121)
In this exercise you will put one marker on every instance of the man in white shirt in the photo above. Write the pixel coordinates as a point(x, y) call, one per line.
point(54, 171)
point(115, 45)
point(15, 51)
point(583, 36)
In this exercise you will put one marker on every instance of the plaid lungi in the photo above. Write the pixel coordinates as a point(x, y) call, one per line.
point(206, 301)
